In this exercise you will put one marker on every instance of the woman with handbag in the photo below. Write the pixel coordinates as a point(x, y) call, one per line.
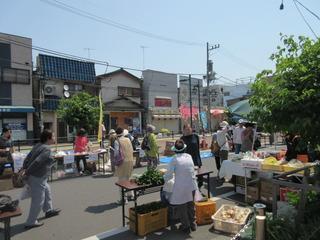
point(123, 159)
point(37, 167)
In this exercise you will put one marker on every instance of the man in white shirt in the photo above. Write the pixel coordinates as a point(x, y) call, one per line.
point(237, 132)
point(223, 140)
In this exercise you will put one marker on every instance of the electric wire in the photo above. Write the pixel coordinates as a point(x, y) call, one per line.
point(314, 14)
point(79, 12)
point(304, 19)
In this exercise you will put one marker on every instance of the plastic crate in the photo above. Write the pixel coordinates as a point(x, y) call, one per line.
point(229, 226)
point(204, 211)
point(272, 167)
point(149, 222)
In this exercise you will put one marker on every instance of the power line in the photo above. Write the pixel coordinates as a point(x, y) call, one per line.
point(238, 60)
point(304, 19)
point(308, 10)
point(109, 22)
point(78, 58)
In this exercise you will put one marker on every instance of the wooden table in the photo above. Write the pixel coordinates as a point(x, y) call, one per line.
point(140, 190)
point(5, 217)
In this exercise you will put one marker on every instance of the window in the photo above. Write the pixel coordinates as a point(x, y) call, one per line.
point(226, 94)
point(162, 102)
point(14, 75)
point(129, 92)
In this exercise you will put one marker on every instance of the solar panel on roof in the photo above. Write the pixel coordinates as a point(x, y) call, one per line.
point(67, 69)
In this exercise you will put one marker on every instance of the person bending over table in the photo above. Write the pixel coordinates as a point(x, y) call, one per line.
point(181, 168)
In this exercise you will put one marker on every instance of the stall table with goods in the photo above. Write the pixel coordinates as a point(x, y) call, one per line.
point(65, 160)
point(261, 164)
point(149, 182)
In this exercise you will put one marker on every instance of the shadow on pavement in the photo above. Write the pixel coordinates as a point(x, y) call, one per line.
point(17, 229)
point(101, 208)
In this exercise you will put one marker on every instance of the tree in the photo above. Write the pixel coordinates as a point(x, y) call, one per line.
point(81, 110)
point(288, 99)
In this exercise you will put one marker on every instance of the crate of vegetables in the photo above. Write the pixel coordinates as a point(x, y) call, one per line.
point(230, 218)
point(150, 217)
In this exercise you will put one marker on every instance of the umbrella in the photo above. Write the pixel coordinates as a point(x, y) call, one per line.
point(241, 108)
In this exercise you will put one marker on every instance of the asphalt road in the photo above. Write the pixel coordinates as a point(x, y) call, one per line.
point(89, 207)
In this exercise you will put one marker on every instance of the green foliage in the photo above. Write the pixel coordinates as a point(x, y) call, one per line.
point(288, 99)
point(151, 177)
point(81, 110)
point(150, 207)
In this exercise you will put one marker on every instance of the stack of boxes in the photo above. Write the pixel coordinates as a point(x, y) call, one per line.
point(266, 192)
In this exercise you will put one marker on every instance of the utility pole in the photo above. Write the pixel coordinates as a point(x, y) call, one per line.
point(201, 126)
point(143, 48)
point(190, 99)
point(209, 78)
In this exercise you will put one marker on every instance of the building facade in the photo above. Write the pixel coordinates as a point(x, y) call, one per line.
point(16, 106)
point(121, 94)
point(160, 99)
point(233, 94)
point(57, 78)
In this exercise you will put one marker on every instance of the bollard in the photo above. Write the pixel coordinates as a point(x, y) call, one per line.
point(260, 221)
point(260, 227)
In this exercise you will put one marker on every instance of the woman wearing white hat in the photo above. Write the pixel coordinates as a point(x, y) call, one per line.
point(222, 139)
point(181, 168)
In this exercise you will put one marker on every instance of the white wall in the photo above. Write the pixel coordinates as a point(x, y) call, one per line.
point(21, 58)
point(109, 87)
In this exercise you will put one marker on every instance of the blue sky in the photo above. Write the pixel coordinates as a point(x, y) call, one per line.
point(247, 31)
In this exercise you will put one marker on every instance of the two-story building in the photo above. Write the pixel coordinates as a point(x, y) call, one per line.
point(57, 78)
point(121, 94)
point(16, 109)
point(160, 98)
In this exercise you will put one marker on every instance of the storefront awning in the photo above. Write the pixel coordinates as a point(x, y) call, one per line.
point(17, 109)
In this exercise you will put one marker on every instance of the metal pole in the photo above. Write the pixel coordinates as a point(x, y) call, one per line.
point(208, 92)
point(201, 127)
point(190, 98)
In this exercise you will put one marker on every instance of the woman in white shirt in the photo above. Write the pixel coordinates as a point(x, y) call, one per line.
point(222, 140)
point(181, 168)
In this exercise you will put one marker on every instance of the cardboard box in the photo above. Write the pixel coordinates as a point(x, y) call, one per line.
point(204, 211)
point(252, 193)
point(266, 197)
point(240, 181)
point(266, 187)
point(6, 184)
point(149, 222)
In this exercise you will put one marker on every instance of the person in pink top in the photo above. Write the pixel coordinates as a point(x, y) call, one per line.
point(81, 145)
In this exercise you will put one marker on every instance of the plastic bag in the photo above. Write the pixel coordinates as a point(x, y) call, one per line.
point(197, 196)
point(25, 193)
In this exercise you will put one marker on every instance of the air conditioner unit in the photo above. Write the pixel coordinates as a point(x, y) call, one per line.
point(49, 90)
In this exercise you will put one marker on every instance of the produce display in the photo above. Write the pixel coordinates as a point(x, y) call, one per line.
point(230, 218)
point(151, 177)
point(295, 163)
point(150, 207)
point(234, 214)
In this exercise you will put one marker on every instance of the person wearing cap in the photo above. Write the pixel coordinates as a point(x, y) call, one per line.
point(237, 133)
point(123, 171)
point(152, 153)
point(181, 169)
point(222, 139)
point(112, 139)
